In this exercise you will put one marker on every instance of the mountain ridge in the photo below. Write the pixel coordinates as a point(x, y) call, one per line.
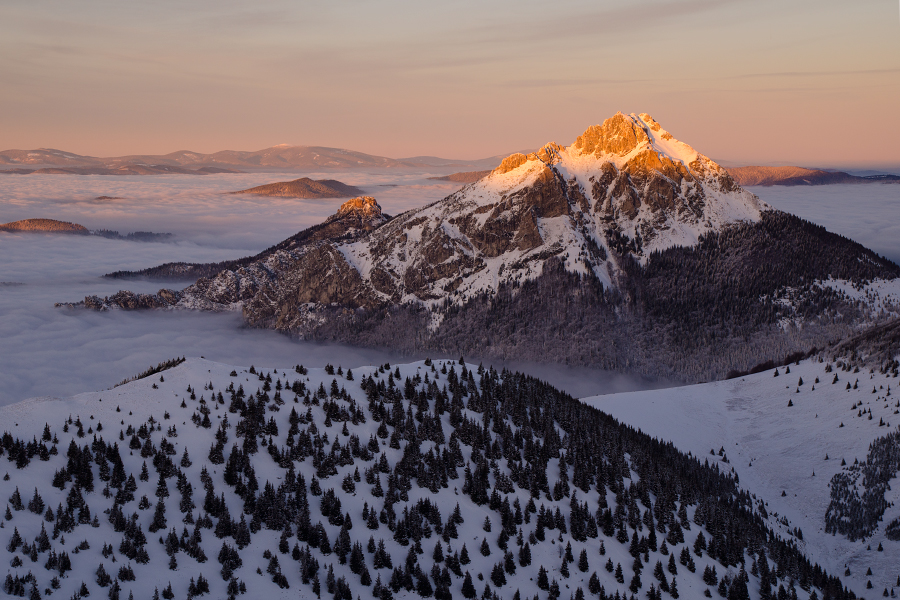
point(794, 176)
point(587, 244)
point(556, 485)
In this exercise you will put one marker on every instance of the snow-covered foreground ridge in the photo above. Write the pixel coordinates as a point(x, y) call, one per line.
point(818, 443)
point(428, 479)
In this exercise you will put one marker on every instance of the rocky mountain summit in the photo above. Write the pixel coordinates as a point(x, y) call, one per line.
point(627, 249)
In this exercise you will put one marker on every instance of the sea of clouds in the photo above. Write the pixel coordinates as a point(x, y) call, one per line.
point(868, 213)
point(47, 351)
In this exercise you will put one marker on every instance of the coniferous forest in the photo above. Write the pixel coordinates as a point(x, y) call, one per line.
point(437, 479)
point(743, 296)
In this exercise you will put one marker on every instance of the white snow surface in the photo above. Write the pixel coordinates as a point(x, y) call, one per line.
point(133, 404)
point(881, 297)
point(777, 448)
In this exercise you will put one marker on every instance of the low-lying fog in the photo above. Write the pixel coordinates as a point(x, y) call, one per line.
point(196, 207)
point(868, 213)
point(47, 351)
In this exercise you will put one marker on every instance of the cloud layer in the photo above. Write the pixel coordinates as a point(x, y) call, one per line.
point(866, 213)
point(197, 208)
point(55, 352)
point(47, 351)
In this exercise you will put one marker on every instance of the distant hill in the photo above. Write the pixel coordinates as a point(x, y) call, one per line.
point(54, 226)
point(755, 175)
point(305, 188)
point(464, 177)
point(45, 226)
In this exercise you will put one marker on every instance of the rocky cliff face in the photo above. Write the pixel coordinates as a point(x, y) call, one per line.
point(627, 249)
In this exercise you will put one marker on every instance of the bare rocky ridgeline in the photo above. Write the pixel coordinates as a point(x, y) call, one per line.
point(627, 250)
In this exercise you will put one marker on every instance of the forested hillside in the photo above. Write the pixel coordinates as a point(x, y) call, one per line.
point(432, 479)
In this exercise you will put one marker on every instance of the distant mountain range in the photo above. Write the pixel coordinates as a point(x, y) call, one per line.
point(790, 176)
point(747, 176)
point(320, 158)
point(627, 250)
point(125, 169)
point(277, 158)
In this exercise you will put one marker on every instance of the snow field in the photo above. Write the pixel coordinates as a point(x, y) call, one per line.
point(133, 404)
point(775, 448)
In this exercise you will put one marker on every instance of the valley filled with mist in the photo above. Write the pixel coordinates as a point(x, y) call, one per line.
point(50, 351)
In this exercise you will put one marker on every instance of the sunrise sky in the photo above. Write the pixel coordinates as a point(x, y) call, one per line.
point(815, 83)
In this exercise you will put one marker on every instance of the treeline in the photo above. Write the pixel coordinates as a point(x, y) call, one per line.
point(163, 366)
point(856, 515)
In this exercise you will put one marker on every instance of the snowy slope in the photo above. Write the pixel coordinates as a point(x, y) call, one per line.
point(880, 296)
point(163, 400)
point(779, 449)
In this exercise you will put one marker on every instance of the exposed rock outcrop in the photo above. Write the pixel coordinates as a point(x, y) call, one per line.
point(127, 301)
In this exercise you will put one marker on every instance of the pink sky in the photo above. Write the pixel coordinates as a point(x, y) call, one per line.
point(812, 83)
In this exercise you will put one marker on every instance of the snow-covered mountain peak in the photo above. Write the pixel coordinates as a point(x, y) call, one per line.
point(636, 144)
point(624, 187)
point(628, 175)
